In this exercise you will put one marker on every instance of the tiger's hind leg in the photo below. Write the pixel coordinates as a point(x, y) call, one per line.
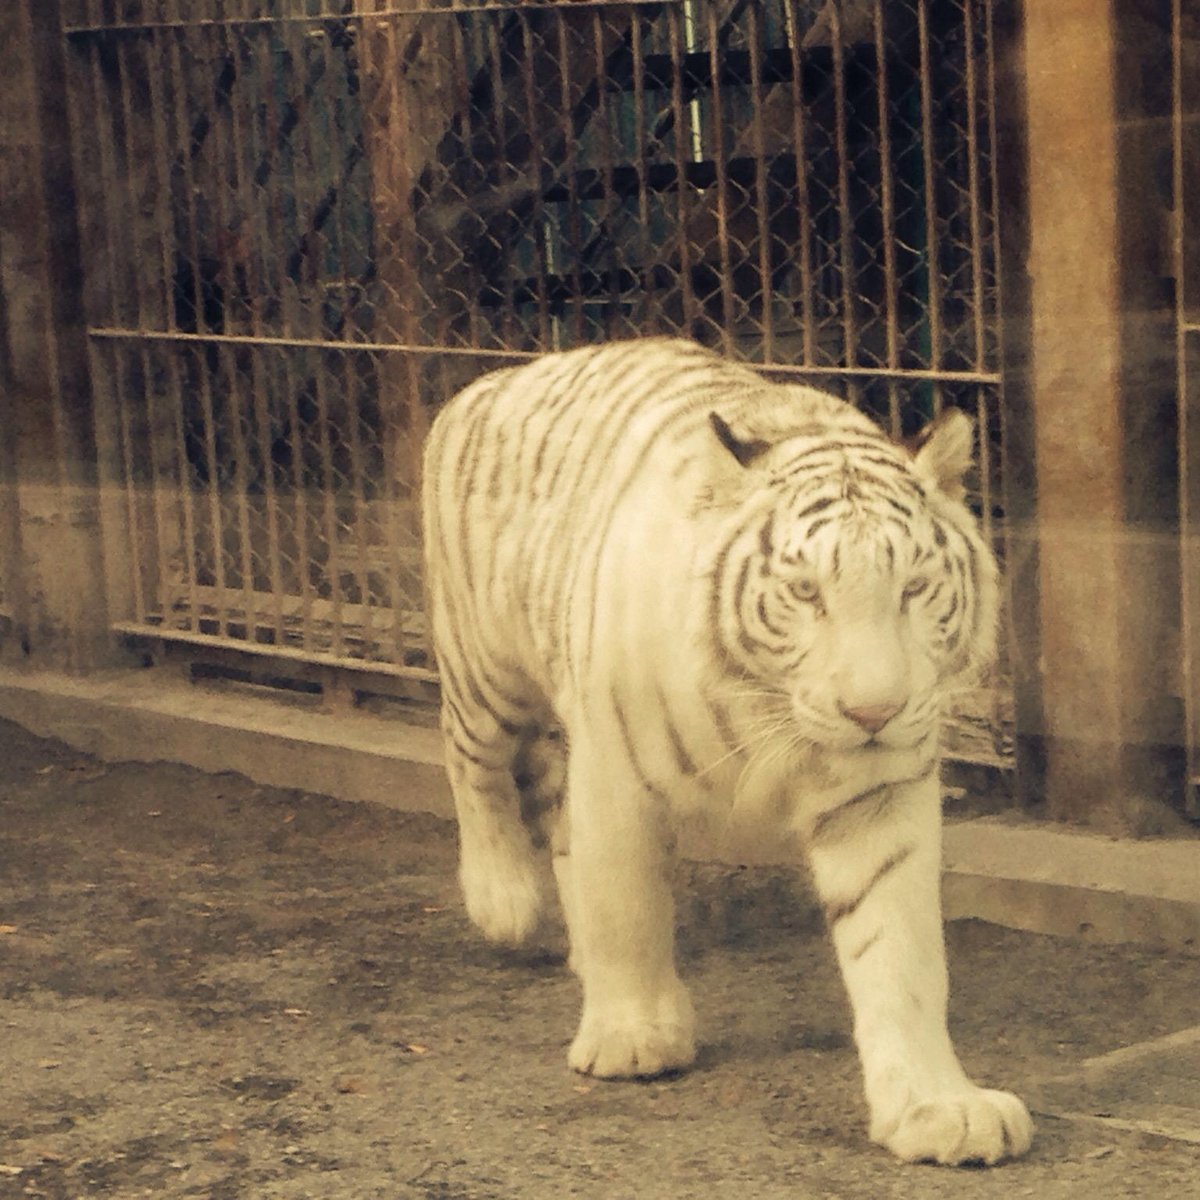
point(498, 869)
point(613, 868)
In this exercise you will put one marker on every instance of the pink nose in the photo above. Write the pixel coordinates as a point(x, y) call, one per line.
point(871, 717)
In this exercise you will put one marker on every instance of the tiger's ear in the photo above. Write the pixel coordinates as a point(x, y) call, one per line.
point(947, 451)
point(745, 450)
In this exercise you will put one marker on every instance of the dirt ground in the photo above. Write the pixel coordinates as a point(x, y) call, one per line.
point(213, 989)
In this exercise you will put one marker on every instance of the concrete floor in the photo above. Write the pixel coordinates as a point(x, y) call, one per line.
point(212, 988)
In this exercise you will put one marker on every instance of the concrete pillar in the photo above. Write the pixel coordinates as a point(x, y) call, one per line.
point(48, 484)
point(1093, 447)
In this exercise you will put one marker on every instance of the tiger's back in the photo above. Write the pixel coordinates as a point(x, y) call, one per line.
point(530, 471)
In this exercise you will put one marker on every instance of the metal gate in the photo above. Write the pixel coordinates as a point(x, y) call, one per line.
point(308, 223)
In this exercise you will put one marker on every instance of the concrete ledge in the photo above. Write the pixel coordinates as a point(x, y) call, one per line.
point(1052, 880)
point(145, 716)
point(1032, 877)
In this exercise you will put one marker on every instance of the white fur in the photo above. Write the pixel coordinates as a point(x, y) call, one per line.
point(571, 584)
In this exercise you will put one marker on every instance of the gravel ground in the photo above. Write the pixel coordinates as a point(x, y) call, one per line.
point(213, 989)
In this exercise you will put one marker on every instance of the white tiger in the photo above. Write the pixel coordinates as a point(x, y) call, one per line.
point(732, 597)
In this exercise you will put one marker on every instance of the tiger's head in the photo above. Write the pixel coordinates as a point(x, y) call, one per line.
point(855, 589)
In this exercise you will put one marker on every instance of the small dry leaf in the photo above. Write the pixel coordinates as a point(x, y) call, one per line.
point(416, 1048)
point(9, 1169)
point(349, 1085)
point(43, 771)
point(8, 929)
point(542, 1128)
point(48, 1064)
point(434, 908)
point(155, 812)
point(583, 1088)
point(297, 1012)
point(289, 818)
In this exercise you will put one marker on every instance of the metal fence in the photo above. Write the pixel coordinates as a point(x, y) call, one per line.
point(307, 224)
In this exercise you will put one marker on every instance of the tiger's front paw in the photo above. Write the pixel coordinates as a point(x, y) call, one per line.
point(970, 1126)
point(624, 1043)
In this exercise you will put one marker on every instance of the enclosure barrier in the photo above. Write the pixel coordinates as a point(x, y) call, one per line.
point(306, 225)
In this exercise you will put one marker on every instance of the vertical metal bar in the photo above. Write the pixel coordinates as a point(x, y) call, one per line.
point(499, 133)
point(163, 192)
point(132, 514)
point(571, 167)
point(1186, 434)
point(274, 138)
point(603, 120)
point(183, 132)
point(306, 181)
point(165, 421)
point(397, 534)
point(682, 184)
point(358, 489)
point(257, 235)
point(534, 174)
point(129, 187)
point(300, 489)
point(932, 245)
point(184, 475)
point(184, 150)
point(984, 458)
point(400, 176)
point(651, 319)
point(482, 331)
point(228, 356)
point(997, 311)
point(719, 161)
point(396, 170)
point(980, 345)
point(352, 434)
point(332, 109)
point(804, 204)
point(329, 505)
point(888, 206)
point(230, 224)
point(692, 45)
point(757, 47)
point(149, 454)
point(247, 234)
point(845, 217)
point(202, 362)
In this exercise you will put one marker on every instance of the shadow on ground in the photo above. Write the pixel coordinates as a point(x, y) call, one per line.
point(214, 989)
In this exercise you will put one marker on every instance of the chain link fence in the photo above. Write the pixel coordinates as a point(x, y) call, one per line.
point(307, 224)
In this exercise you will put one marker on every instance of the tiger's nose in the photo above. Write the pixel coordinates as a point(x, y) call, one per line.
point(871, 717)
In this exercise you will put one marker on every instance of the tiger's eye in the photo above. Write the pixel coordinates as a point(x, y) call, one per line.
point(805, 590)
point(914, 587)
